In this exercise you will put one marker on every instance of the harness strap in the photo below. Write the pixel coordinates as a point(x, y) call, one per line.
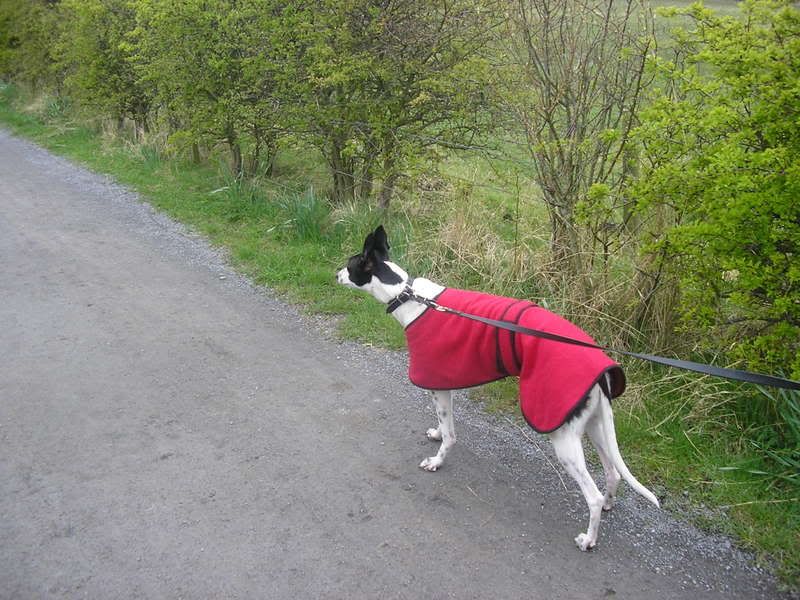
point(403, 297)
point(735, 374)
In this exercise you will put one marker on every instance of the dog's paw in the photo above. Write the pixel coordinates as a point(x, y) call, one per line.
point(608, 502)
point(584, 542)
point(431, 463)
point(434, 434)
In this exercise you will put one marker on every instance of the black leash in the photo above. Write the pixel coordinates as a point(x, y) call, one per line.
point(735, 374)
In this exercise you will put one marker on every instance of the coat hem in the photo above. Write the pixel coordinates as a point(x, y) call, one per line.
point(463, 387)
point(578, 407)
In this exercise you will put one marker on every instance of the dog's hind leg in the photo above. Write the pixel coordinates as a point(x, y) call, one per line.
point(567, 444)
point(445, 432)
point(599, 436)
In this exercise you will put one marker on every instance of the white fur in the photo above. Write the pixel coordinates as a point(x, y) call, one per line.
point(445, 432)
point(596, 419)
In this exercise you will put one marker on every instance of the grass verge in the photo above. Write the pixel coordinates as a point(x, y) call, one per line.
point(675, 429)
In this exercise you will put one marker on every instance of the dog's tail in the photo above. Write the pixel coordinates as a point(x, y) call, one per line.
point(613, 449)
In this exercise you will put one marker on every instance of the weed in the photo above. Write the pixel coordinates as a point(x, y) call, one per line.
point(307, 215)
point(781, 441)
point(151, 154)
point(57, 107)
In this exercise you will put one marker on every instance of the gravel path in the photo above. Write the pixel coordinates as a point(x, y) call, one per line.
point(167, 430)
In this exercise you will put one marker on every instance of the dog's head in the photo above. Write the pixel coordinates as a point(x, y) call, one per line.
point(371, 270)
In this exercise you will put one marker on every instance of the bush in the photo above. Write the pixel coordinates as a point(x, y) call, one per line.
point(722, 151)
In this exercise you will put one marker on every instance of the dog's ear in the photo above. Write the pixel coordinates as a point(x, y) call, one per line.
point(369, 245)
point(381, 243)
point(377, 245)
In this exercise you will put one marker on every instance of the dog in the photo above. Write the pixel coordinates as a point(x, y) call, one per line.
point(565, 390)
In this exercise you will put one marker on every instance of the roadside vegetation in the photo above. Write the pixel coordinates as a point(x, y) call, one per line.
point(638, 174)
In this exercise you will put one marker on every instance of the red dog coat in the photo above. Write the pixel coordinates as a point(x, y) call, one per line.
point(448, 352)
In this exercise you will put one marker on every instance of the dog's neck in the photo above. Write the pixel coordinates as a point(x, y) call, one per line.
point(408, 311)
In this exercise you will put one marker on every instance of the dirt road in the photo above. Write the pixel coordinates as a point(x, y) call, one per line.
point(169, 431)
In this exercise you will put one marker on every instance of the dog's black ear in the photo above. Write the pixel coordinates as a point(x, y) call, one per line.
point(369, 245)
point(377, 244)
point(381, 243)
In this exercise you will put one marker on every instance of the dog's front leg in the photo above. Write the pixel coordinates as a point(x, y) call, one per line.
point(445, 432)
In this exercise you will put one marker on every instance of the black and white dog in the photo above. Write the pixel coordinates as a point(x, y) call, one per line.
point(541, 382)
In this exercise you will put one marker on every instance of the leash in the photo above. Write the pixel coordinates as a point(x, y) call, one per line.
point(735, 374)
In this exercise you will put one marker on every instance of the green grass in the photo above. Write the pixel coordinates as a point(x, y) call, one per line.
point(682, 435)
point(676, 430)
point(725, 7)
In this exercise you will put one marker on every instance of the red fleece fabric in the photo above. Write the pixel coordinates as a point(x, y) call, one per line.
point(448, 352)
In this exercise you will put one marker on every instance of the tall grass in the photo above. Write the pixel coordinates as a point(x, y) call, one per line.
point(307, 215)
point(779, 437)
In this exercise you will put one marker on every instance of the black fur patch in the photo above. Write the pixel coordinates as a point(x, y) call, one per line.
point(360, 270)
point(386, 274)
point(372, 261)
